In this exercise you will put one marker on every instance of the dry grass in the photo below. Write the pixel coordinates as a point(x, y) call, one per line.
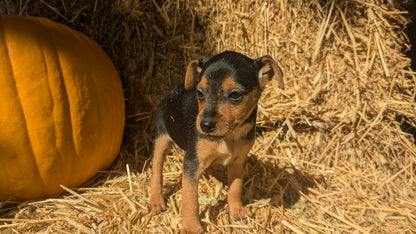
point(332, 153)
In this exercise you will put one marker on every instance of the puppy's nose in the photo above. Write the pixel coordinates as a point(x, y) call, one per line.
point(208, 125)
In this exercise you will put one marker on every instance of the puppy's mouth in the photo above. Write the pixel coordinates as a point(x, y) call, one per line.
point(212, 135)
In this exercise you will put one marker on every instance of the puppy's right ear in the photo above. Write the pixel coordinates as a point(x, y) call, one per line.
point(193, 72)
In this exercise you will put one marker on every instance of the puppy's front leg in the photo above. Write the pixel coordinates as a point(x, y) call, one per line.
point(190, 207)
point(235, 182)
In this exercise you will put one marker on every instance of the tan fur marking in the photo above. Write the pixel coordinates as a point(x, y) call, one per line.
point(228, 84)
point(208, 151)
point(203, 84)
point(235, 183)
point(190, 207)
point(162, 145)
point(224, 151)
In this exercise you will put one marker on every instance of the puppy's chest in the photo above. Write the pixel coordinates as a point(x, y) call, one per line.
point(224, 151)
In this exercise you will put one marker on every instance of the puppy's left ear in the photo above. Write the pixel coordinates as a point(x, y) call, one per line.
point(193, 72)
point(267, 69)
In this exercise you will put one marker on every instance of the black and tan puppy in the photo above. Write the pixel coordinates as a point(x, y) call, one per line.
point(213, 118)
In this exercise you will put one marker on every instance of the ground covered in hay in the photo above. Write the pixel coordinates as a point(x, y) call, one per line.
point(335, 150)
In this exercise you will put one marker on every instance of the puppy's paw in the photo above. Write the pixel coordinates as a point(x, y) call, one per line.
point(239, 213)
point(192, 228)
point(157, 204)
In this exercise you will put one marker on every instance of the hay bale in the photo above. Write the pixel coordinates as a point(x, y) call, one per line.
point(331, 154)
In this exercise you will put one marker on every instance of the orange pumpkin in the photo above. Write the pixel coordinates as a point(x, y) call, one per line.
point(61, 108)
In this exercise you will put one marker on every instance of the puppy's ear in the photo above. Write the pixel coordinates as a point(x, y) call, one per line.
point(267, 69)
point(193, 72)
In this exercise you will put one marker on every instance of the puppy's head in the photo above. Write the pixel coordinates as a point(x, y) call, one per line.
point(228, 87)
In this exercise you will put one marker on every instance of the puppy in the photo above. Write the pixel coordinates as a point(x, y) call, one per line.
point(213, 118)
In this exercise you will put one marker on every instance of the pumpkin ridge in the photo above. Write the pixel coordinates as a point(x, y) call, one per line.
point(65, 85)
point(86, 41)
point(70, 105)
point(64, 97)
point(9, 59)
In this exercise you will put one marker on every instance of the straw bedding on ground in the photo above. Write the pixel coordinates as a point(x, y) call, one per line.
point(335, 151)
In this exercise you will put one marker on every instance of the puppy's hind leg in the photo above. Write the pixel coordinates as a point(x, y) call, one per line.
point(162, 145)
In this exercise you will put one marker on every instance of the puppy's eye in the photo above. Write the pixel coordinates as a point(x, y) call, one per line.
point(200, 94)
point(235, 96)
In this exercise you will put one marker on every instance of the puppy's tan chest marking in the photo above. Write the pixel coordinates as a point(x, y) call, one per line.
point(226, 150)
